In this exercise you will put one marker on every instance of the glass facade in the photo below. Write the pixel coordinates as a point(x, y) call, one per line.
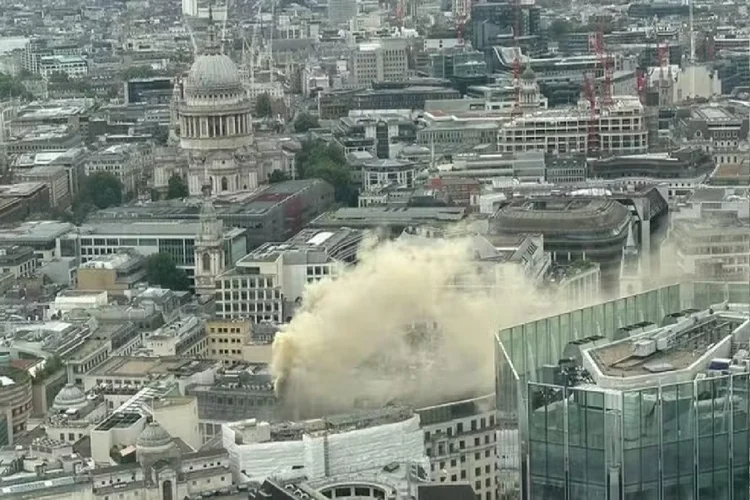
point(574, 443)
point(674, 442)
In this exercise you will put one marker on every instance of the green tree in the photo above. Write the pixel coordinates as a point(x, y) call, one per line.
point(305, 122)
point(161, 270)
point(102, 190)
point(155, 195)
point(12, 87)
point(277, 176)
point(137, 72)
point(318, 160)
point(263, 107)
point(176, 188)
point(559, 28)
point(59, 77)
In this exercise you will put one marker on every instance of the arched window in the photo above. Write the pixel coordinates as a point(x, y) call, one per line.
point(206, 262)
point(166, 490)
point(224, 184)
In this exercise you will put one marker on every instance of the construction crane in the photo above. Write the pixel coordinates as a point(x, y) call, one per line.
point(606, 61)
point(592, 144)
point(641, 78)
point(400, 8)
point(516, 59)
point(463, 16)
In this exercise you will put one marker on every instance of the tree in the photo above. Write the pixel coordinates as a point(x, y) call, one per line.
point(176, 188)
point(12, 87)
point(161, 270)
point(318, 160)
point(305, 122)
point(263, 106)
point(277, 176)
point(155, 195)
point(559, 28)
point(102, 189)
point(59, 77)
point(137, 72)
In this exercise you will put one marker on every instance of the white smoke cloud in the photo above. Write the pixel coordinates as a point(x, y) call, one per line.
point(353, 341)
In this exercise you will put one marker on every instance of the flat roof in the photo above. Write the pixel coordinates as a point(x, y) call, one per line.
point(373, 216)
point(36, 231)
point(137, 366)
point(683, 345)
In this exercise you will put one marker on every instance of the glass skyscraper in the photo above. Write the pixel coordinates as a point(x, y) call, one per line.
point(671, 435)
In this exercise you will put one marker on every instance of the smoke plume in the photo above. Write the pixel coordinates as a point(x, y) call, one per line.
point(412, 322)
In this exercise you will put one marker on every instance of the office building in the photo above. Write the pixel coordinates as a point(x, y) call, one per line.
point(176, 238)
point(72, 66)
point(56, 180)
point(574, 229)
point(381, 173)
point(151, 91)
point(273, 213)
point(124, 161)
point(267, 284)
point(380, 60)
point(682, 170)
point(114, 273)
point(18, 261)
point(461, 443)
point(184, 337)
point(619, 128)
point(712, 248)
point(590, 399)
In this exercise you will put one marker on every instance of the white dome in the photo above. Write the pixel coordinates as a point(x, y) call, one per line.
point(69, 397)
point(212, 72)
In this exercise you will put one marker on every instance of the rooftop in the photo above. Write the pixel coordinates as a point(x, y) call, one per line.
point(683, 345)
point(36, 231)
point(383, 216)
point(140, 367)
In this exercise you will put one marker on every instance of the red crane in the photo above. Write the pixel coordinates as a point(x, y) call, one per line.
point(516, 60)
point(593, 139)
point(641, 78)
point(607, 63)
point(463, 16)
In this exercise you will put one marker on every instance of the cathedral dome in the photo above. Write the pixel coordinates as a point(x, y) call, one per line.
point(69, 397)
point(153, 437)
point(212, 72)
point(528, 74)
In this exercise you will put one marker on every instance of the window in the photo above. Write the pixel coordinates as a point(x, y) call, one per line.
point(224, 184)
point(206, 262)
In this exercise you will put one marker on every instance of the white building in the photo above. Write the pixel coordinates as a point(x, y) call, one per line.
point(618, 128)
point(320, 448)
point(190, 8)
point(73, 66)
point(382, 173)
point(380, 60)
point(182, 337)
point(268, 283)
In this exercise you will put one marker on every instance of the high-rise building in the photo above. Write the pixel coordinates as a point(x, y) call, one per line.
point(640, 397)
